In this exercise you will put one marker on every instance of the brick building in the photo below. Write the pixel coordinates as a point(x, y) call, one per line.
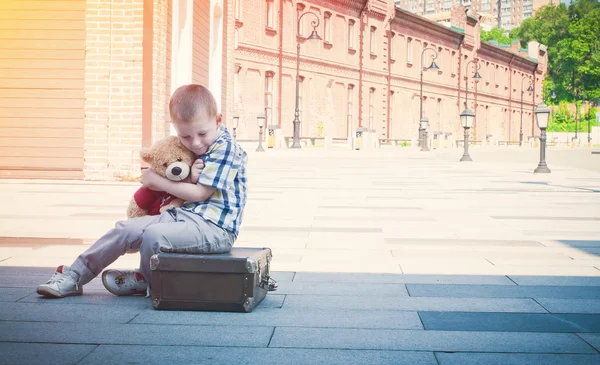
point(365, 71)
point(84, 84)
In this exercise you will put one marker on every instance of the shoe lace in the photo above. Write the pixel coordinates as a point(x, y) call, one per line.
point(59, 278)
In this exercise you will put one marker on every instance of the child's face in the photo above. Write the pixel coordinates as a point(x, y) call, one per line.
point(198, 134)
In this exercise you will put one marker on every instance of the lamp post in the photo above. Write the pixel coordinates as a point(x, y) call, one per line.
point(576, 112)
point(236, 121)
point(529, 90)
point(422, 122)
point(467, 116)
point(424, 126)
point(313, 35)
point(542, 112)
point(260, 120)
point(466, 119)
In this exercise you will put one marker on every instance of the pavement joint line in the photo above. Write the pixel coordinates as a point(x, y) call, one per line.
point(88, 354)
point(540, 304)
point(509, 278)
point(589, 344)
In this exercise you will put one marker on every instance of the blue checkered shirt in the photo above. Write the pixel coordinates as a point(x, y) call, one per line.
point(225, 170)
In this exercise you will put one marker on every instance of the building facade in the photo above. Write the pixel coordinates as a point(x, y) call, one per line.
point(85, 84)
point(365, 72)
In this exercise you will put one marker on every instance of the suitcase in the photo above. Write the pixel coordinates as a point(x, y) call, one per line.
point(236, 281)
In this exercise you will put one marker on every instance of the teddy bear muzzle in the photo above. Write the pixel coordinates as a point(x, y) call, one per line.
point(177, 171)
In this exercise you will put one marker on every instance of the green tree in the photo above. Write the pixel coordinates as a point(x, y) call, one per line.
point(497, 34)
point(573, 39)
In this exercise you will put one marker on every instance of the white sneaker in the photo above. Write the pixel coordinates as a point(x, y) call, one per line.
point(62, 284)
point(130, 282)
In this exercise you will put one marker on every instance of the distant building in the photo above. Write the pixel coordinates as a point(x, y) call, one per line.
point(511, 14)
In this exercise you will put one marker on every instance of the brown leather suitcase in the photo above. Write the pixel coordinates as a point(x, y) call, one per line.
point(236, 281)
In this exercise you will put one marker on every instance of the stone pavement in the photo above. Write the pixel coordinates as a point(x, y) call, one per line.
point(390, 256)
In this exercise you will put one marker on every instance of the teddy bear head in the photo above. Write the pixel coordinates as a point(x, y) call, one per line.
point(169, 158)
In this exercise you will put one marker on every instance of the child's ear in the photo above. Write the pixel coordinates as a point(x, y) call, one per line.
point(146, 155)
point(219, 118)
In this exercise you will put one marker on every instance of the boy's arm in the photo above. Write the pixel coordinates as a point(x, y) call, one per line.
point(220, 168)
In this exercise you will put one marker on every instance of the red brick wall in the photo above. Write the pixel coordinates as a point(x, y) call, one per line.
point(113, 87)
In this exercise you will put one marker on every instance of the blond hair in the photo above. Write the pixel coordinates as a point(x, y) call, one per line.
point(189, 100)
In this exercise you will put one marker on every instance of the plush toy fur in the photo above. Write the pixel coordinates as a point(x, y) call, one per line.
point(170, 159)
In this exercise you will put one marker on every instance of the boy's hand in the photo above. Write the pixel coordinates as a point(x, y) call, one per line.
point(151, 180)
point(196, 170)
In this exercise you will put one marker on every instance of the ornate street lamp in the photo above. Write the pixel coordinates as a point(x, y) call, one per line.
point(433, 66)
point(466, 119)
point(236, 121)
point(424, 126)
point(260, 120)
point(313, 35)
point(529, 90)
point(542, 112)
point(467, 116)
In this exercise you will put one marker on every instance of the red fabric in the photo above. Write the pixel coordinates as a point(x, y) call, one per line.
point(151, 200)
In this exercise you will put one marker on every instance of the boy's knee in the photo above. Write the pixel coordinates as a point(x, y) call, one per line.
point(152, 241)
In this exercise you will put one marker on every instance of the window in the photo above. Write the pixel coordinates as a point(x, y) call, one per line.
point(453, 63)
point(371, 107)
point(271, 14)
point(351, 34)
point(409, 50)
point(269, 97)
point(300, 10)
point(327, 27)
point(373, 41)
point(238, 9)
point(391, 111)
point(300, 95)
point(350, 107)
point(391, 41)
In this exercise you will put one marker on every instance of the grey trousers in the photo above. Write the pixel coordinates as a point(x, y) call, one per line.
point(175, 230)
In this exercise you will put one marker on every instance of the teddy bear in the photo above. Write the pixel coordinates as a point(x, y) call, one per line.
point(170, 159)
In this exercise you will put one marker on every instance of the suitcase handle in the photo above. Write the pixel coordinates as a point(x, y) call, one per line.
point(268, 282)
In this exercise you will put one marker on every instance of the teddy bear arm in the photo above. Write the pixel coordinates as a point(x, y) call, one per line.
point(134, 211)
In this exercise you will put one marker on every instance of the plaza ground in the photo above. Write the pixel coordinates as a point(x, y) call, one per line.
point(387, 256)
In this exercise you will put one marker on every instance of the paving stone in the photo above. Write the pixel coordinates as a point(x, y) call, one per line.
point(570, 305)
point(403, 278)
point(461, 242)
point(472, 358)
point(346, 289)
point(556, 280)
point(413, 304)
point(503, 291)
point(134, 334)
point(174, 355)
point(591, 338)
point(510, 322)
point(311, 317)
point(14, 294)
point(429, 340)
point(48, 312)
point(38, 353)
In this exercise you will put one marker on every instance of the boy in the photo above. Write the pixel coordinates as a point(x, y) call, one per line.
point(208, 222)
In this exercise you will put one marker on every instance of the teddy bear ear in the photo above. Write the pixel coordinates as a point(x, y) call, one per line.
point(146, 155)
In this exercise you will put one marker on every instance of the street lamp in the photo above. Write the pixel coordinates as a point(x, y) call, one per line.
point(236, 121)
point(424, 126)
point(529, 90)
point(466, 119)
point(467, 116)
point(260, 120)
point(542, 112)
point(313, 35)
point(434, 66)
